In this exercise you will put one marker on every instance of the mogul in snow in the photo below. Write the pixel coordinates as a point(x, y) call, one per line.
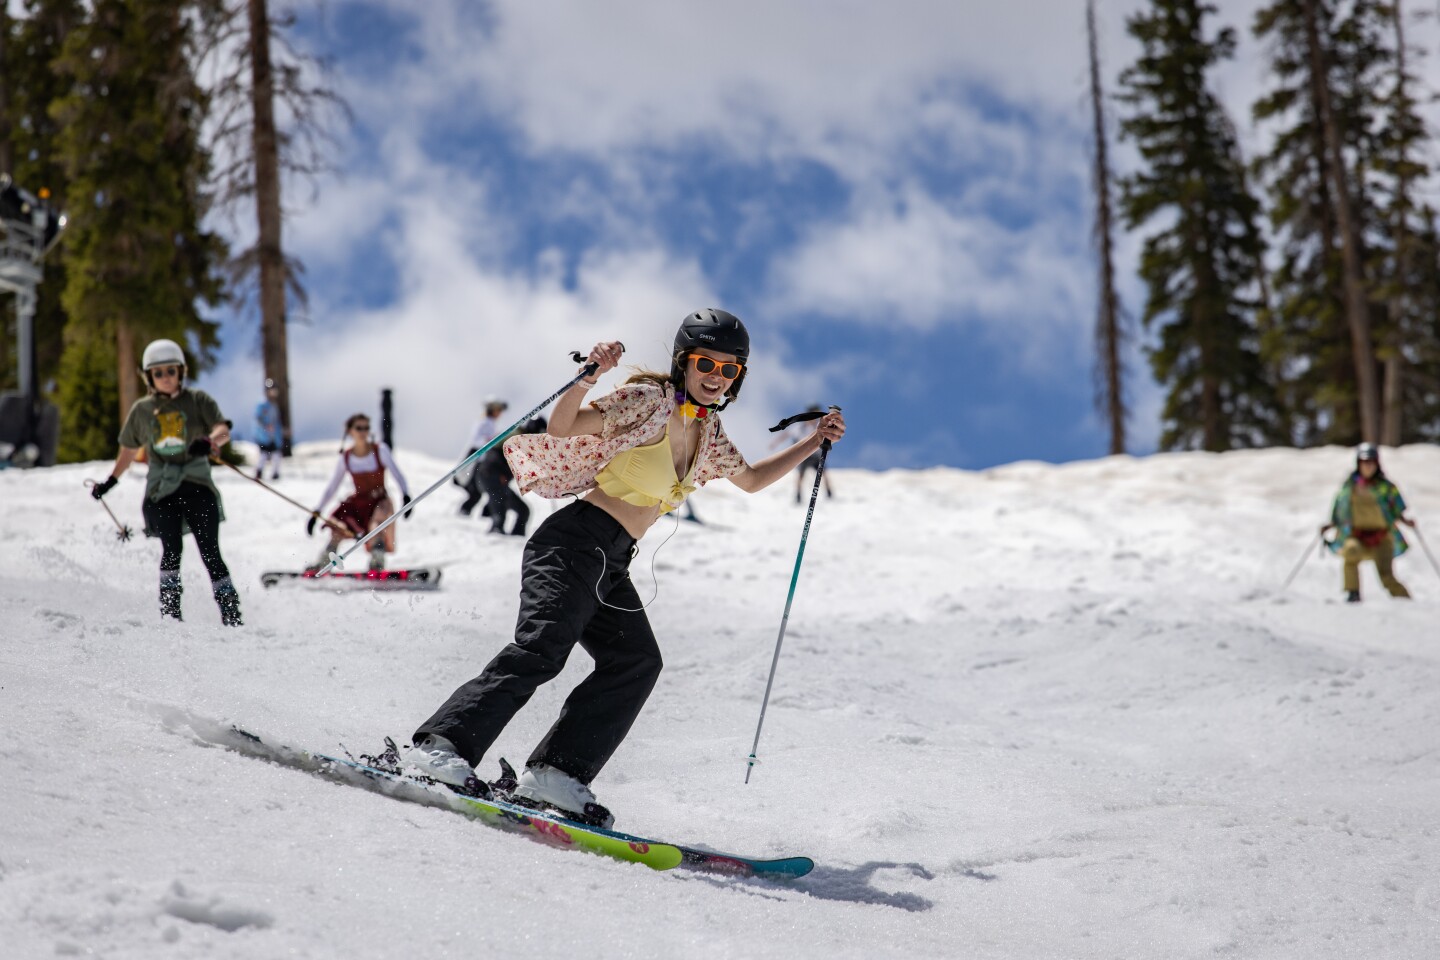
point(630, 457)
point(366, 461)
point(1367, 512)
point(179, 429)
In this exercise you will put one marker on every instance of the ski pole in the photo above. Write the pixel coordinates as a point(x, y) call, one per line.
point(794, 576)
point(338, 528)
point(124, 532)
point(1303, 557)
point(338, 558)
point(1421, 537)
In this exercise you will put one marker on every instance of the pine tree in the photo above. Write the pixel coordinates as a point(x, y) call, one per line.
point(1406, 264)
point(1201, 265)
point(1109, 333)
point(140, 262)
point(1343, 63)
point(263, 74)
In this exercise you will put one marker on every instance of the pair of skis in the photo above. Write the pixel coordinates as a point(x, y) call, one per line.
point(544, 827)
point(413, 578)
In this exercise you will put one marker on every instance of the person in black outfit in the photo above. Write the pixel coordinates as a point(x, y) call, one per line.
point(494, 476)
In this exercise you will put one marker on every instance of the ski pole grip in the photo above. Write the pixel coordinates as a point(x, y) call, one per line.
point(825, 444)
point(589, 368)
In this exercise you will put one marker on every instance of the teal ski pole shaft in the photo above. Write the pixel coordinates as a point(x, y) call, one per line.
point(338, 558)
point(789, 599)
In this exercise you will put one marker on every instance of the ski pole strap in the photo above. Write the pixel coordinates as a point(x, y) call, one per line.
point(805, 417)
point(799, 418)
point(337, 558)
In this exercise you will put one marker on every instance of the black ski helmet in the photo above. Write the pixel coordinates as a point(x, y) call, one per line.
point(711, 329)
point(1368, 451)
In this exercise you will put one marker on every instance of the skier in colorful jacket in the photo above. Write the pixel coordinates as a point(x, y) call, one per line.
point(179, 430)
point(629, 458)
point(366, 461)
point(1366, 515)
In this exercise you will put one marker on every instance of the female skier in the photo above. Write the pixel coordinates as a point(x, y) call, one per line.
point(1366, 512)
point(180, 429)
point(631, 457)
point(370, 505)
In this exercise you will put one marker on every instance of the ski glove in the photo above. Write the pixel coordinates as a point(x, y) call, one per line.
point(310, 525)
point(100, 489)
point(201, 446)
point(405, 502)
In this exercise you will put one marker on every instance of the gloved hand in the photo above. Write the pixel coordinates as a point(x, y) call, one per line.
point(201, 446)
point(100, 489)
point(405, 502)
point(310, 525)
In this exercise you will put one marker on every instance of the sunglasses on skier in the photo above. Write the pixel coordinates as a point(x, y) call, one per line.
point(165, 371)
point(362, 427)
point(727, 369)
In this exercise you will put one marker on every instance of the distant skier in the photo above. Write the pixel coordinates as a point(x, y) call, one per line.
point(795, 434)
point(485, 431)
point(631, 456)
point(493, 474)
point(1366, 513)
point(366, 460)
point(177, 429)
point(268, 431)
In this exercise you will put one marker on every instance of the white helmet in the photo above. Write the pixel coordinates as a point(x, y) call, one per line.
point(162, 352)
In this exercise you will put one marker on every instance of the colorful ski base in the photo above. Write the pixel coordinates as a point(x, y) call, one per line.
point(416, 578)
point(544, 827)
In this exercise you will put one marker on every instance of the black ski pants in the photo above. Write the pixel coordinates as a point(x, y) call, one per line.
point(195, 506)
point(579, 556)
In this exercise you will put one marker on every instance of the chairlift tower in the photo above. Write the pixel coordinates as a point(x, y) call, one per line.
point(28, 231)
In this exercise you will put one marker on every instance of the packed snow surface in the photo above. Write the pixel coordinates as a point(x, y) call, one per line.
point(1034, 711)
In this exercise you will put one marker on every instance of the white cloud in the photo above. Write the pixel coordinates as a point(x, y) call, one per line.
point(918, 264)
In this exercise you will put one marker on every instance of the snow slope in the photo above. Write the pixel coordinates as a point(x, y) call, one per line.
point(1035, 711)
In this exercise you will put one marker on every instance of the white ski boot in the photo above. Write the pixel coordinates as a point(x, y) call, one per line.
point(435, 757)
point(542, 785)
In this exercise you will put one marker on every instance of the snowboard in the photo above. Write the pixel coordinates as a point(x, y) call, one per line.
point(545, 827)
point(413, 578)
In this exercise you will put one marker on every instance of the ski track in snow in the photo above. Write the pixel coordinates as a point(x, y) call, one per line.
point(1036, 711)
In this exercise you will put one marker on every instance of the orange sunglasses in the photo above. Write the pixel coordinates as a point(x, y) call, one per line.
point(727, 369)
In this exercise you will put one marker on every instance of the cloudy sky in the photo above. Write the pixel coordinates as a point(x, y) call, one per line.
point(894, 197)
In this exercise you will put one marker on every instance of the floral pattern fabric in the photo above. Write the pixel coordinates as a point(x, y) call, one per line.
point(633, 415)
point(1392, 506)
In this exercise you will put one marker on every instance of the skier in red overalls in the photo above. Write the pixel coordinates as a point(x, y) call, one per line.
point(370, 505)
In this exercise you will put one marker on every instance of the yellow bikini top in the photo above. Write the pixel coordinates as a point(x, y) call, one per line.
point(645, 476)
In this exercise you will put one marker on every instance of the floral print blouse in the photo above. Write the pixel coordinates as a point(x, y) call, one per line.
point(634, 415)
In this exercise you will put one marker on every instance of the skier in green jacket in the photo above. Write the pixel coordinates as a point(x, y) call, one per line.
point(1367, 513)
